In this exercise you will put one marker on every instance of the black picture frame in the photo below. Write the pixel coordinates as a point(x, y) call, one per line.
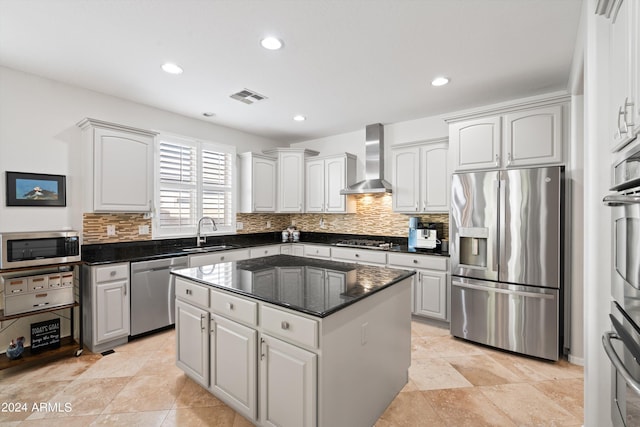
point(35, 189)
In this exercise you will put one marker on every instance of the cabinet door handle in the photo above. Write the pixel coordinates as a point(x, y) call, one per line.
point(202, 321)
point(285, 325)
point(622, 113)
point(125, 289)
point(508, 159)
point(261, 348)
point(497, 160)
point(416, 207)
point(628, 105)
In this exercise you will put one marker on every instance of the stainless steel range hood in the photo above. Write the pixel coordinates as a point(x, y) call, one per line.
point(374, 181)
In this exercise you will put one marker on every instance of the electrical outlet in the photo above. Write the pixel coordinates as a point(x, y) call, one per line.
point(111, 230)
point(293, 222)
point(143, 229)
point(268, 224)
point(239, 225)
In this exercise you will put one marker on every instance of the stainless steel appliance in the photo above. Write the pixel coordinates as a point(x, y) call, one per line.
point(153, 293)
point(622, 343)
point(374, 181)
point(507, 259)
point(18, 250)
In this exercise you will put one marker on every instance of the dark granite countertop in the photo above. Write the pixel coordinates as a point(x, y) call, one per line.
point(302, 291)
point(106, 253)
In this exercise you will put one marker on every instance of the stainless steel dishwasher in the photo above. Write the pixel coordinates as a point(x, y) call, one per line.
point(153, 294)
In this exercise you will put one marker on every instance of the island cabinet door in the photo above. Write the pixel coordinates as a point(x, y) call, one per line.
point(192, 346)
point(234, 368)
point(288, 391)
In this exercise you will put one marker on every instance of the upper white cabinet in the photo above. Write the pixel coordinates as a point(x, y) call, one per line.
point(257, 183)
point(421, 177)
point(119, 167)
point(623, 117)
point(518, 137)
point(325, 177)
point(290, 177)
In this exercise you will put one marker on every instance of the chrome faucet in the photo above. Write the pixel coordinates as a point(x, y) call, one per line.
point(203, 239)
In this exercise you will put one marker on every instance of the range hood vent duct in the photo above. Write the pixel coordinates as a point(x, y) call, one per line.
point(374, 181)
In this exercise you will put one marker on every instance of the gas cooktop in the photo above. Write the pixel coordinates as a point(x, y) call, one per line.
point(365, 243)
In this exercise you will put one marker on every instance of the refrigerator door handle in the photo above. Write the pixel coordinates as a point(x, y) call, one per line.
point(504, 291)
point(499, 233)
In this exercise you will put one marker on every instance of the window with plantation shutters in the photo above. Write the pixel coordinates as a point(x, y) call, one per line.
point(194, 179)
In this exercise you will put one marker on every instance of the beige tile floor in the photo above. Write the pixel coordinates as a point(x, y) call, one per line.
point(452, 383)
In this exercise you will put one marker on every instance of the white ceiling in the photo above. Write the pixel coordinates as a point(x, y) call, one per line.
point(345, 63)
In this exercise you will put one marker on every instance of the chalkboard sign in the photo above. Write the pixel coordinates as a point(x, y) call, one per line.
point(45, 335)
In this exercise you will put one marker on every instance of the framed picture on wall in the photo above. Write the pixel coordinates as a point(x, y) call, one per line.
point(36, 189)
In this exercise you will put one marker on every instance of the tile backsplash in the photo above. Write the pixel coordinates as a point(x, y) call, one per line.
point(374, 216)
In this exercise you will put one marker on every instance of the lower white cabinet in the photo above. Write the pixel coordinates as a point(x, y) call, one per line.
point(430, 284)
point(233, 367)
point(192, 341)
point(106, 292)
point(288, 378)
point(430, 297)
point(359, 256)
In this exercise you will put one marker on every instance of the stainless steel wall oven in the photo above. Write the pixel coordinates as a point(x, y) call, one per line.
point(622, 343)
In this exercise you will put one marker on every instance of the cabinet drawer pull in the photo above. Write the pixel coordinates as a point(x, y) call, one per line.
point(188, 291)
point(38, 287)
point(415, 261)
point(284, 325)
point(16, 291)
point(230, 306)
point(112, 273)
point(41, 295)
point(222, 258)
point(357, 255)
point(42, 304)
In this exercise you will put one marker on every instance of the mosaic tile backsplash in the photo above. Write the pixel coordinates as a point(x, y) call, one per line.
point(374, 216)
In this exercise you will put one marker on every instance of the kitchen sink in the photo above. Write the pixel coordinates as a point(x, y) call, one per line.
point(208, 248)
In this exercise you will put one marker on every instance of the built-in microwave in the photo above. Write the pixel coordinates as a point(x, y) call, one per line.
point(19, 250)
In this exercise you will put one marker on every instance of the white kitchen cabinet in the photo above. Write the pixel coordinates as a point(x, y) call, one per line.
point(233, 367)
point(317, 251)
point(197, 260)
point(623, 71)
point(290, 179)
point(106, 290)
point(192, 341)
point(288, 378)
point(359, 256)
point(292, 249)
point(421, 177)
point(257, 183)
point(430, 284)
point(260, 251)
point(118, 166)
point(325, 177)
point(518, 137)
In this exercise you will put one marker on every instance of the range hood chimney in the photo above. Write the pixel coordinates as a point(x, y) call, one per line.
point(374, 181)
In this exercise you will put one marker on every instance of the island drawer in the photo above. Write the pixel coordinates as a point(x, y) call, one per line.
point(317, 251)
point(234, 308)
point(293, 328)
point(192, 293)
point(112, 272)
point(417, 261)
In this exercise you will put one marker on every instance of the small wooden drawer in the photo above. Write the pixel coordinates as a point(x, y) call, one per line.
point(37, 300)
point(111, 272)
point(293, 328)
point(234, 308)
point(15, 286)
point(192, 293)
point(66, 280)
point(317, 251)
point(428, 262)
point(38, 283)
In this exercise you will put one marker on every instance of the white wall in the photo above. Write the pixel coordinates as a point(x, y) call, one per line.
point(38, 133)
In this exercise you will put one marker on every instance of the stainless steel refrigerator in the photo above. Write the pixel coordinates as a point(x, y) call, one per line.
point(506, 251)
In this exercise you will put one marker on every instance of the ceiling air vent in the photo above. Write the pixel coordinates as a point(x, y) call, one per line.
point(248, 96)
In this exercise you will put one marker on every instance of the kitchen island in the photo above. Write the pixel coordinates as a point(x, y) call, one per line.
point(294, 341)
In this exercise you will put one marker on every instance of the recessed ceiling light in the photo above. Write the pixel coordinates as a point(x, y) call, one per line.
point(271, 43)
point(208, 114)
point(172, 68)
point(299, 118)
point(439, 81)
